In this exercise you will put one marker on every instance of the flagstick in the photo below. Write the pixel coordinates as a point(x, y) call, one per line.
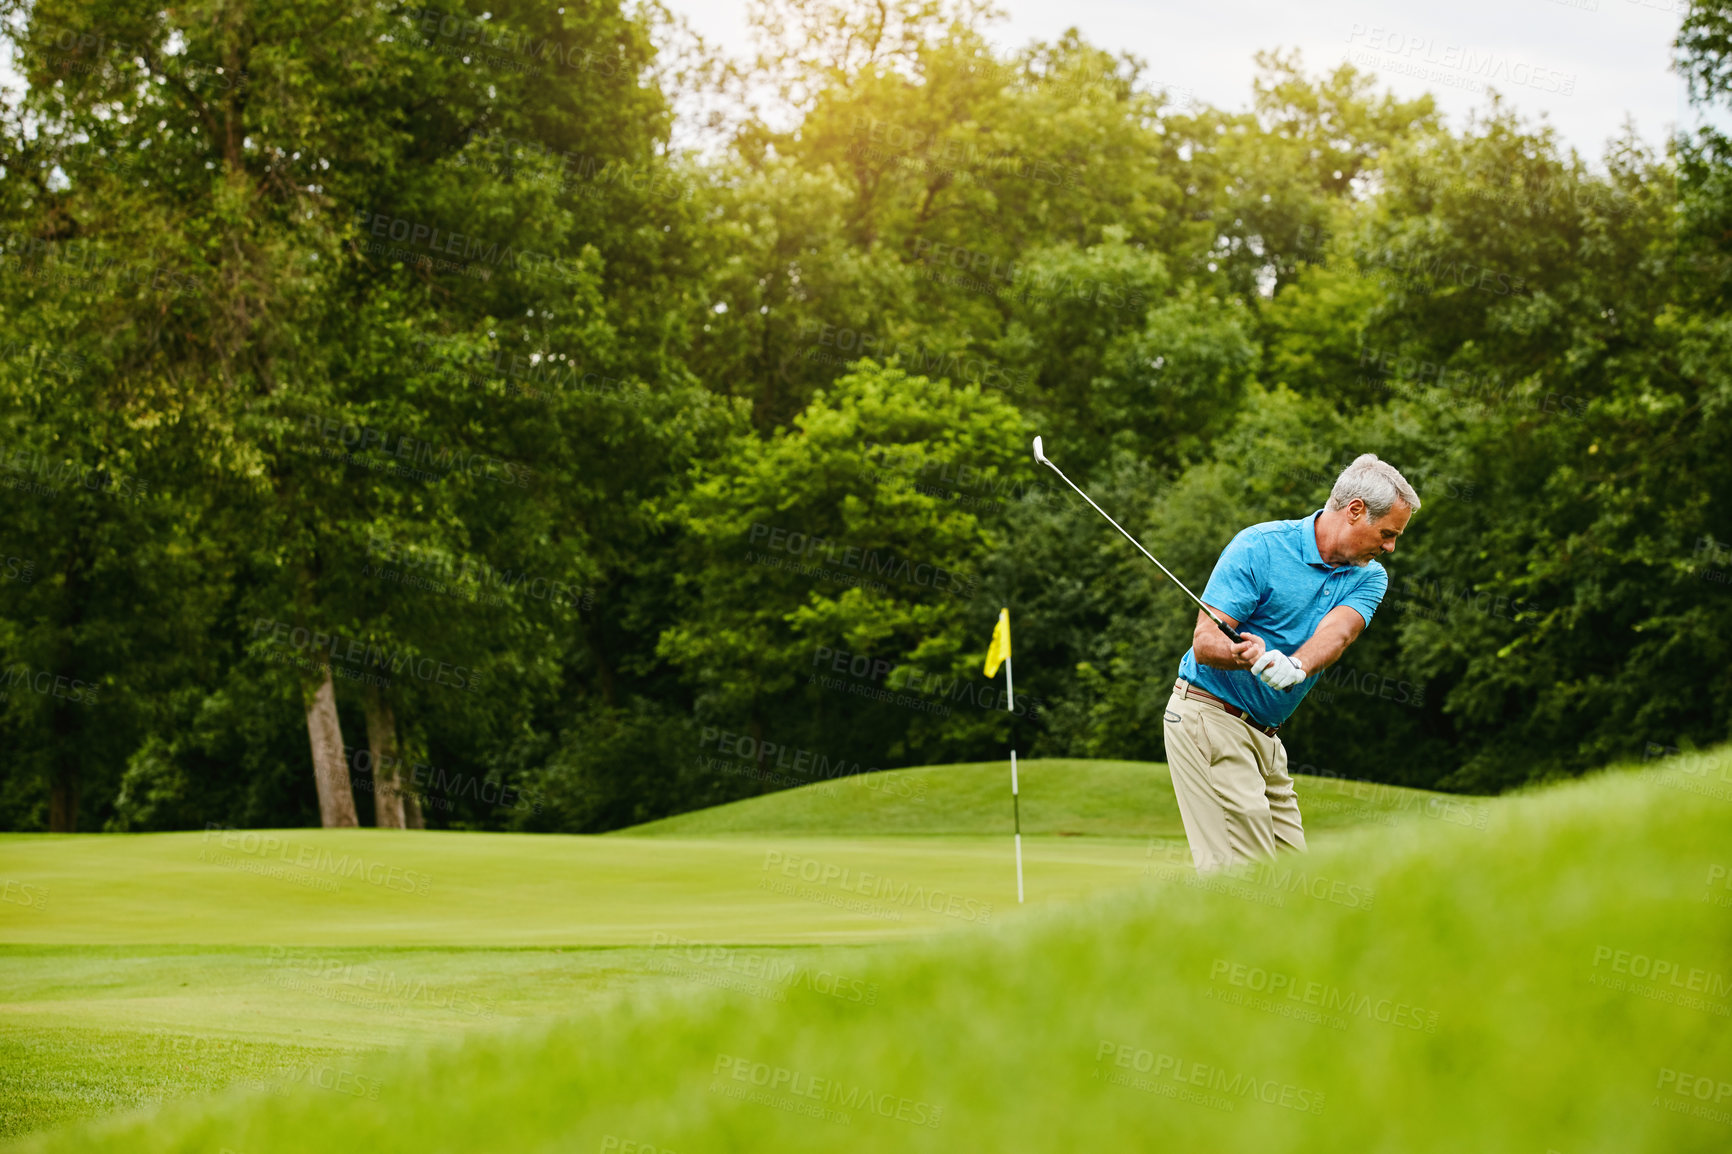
point(1015, 805)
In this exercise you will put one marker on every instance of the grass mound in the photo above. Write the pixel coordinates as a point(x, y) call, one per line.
point(1556, 977)
point(1060, 797)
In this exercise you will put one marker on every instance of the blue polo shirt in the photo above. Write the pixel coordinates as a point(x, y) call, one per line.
point(1274, 583)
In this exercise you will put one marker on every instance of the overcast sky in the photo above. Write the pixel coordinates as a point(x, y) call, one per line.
point(1587, 65)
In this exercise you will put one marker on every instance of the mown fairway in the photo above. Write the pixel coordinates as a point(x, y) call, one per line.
point(1431, 951)
point(141, 969)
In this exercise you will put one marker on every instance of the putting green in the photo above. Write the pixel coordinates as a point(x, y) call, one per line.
point(339, 887)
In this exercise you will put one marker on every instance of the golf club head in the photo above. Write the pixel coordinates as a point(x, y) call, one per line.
point(1039, 456)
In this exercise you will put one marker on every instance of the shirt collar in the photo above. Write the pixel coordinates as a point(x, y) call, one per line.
point(1308, 542)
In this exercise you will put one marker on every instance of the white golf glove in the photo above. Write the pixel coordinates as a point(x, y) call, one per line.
point(1277, 670)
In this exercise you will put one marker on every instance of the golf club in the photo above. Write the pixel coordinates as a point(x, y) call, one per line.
point(1040, 456)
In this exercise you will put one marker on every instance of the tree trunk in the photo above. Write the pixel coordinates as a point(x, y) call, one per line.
point(63, 798)
point(330, 771)
point(63, 779)
point(390, 801)
point(603, 670)
point(412, 816)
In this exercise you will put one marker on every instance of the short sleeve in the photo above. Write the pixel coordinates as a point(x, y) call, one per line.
point(1368, 594)
point(1233, 587)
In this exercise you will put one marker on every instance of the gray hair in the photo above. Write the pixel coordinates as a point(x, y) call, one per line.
point(1378, 483)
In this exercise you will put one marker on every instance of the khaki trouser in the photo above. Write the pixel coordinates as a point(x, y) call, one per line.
point(1234, 794)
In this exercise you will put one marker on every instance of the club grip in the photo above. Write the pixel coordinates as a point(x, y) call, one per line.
point(1228, 630)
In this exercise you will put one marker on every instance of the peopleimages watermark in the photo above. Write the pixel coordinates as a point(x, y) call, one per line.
point(366, 986)
point(569, 171)
point(1426, 269)
point(317, 860)
point(1391, 369)
point(1690, 771)
point(48, 684)
point(30, 895)
point(1387, 803)
point(918, 683)
point(1430, 483)
point(452, 787)
point(1471, 385)
point(1422, 56)
point(1001, 62)
point(1198, 1082)
point(1719, 876)
point(1319, 1003)
point(1669, 7)
point(84, 264)
point(348, 441)
point(1580, 189)
point(1341, 679)
point(1437, 600)
point(429, 568)
point(733, 767)
point(795, 766)
point(852, 344)
point(875, 887)
point(982, 272)
point(86, 50)
point(338, 1081)
point(940, 477)
point(1697, 1091)
point(757, 973)
point(534, 375)
point(356, 652)
point(1263, 882)
point(1716, 555)
point(891, 143)
point(826, 1098)
point(1666, 980)
point(42, 362)
point(1417, 268)
point(861, 561)
point(487, 40)
point(479, 256)
point(614, 1144)
point(34, 473)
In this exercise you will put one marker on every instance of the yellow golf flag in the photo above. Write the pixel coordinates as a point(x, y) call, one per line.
point(1000, 647)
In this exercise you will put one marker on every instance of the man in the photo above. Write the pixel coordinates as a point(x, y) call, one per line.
point(1299, 593)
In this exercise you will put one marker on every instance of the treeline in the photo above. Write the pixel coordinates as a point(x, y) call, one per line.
point(516, 394)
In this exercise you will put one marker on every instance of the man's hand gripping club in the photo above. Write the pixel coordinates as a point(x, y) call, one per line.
point(1277, 670)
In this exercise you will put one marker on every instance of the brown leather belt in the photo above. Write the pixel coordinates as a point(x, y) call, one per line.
point(1186, 690)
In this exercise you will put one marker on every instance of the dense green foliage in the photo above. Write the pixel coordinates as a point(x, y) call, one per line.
point(407, 342)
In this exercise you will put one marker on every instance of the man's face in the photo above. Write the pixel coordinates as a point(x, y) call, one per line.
point(1366, 540)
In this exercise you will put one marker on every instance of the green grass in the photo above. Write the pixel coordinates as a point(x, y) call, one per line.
point(1059, 797)
point(1496, 929)
point(140, 969)
point(90, 1030)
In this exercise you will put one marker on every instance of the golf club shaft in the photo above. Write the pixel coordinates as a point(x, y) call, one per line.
point(1219, 624)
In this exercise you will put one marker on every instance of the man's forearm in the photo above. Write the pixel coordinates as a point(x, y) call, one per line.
point(1324, 648)
point(1211, 647)
point(1214, 650)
